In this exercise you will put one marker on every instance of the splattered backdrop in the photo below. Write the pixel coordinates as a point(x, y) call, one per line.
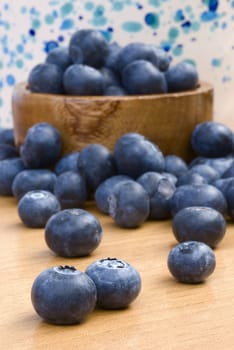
point(200, 31)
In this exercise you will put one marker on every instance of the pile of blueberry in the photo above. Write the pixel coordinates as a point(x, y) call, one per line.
point(133, 183)
point(89, 65)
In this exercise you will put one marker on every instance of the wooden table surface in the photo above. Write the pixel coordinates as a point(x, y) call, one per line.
point(166, 314)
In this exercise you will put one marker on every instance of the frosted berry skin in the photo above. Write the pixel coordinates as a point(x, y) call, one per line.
point(9, 168)
point(70, 189)
point(201, 224)
point(80, 79)
point(129, 204)
point(212, 139)
point(142, 77)
point(36, 207)
point(118, 283)
point(134, 155)
point(97, 164)
point(181, 77)
point(104, 190)
point(33, 179)
point(73, 233)
point(46, 78)
point(204, 195)
point(191, 262)
point(88, 46)
point(42, 146)
point(63, 295)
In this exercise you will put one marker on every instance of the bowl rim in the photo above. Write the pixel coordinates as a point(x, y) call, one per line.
point(203, 86)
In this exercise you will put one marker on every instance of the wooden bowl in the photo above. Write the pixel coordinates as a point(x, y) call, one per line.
point(168, 120)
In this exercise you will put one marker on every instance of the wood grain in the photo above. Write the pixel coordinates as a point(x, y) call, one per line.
point(168, 120)
point(166, 315)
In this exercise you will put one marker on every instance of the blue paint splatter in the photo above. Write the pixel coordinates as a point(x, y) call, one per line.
point(10, 79)
point(32, 32)
point(132, 26)
point(50, 45)
point(213, 5)
point(179, 16)
point(216, 62)
point(152, 20)
point(186, 24)
point(68, 23)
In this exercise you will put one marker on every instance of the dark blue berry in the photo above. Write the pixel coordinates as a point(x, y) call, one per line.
point(142, 77)
point(9, 168)
point(212, 139)
point(201, 224)
point(63, 295)
point(129, 204)
point(134, 155)
point(36, 207)
point(33, 179)
point(42, 146)
point(70, 189)
point(46, 78)
point(182, 77)
point(191, 262)
point(83, 80)
point(118, 283)
point(73, 233)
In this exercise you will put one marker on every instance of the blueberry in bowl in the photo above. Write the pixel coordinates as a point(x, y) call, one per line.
point(94, 91)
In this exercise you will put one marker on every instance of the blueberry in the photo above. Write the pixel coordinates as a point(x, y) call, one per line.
point(182, 77)
point(229, 172)
point(220, 164)
point(42, 146)
point(104, 190)
point(114, 90)
point(206, 171)
point(160, 191)
point(112, 57)
point(201, 224)
point(7, 136)
point(83, 80)
point(8, 151)
point(118, 283)
point(224, 184)
point(36, 207)
point(33, 179)
point(73, 233)
point(175, 165)
point(163, 59)
point(97, 164)
point(229, 194)
point(204, 195)
point(46, 78)
point(142, 77)
point(66, 163)
point(191, 262)
point(134, 155)
point(109, 77)
point(129, 204)
point(171, 177)
point(139, 51)
point(212, 139)
point(88, 46)
point(63, 295)
point(191, 178)
point(9, 168)
point(60, 57)
point(70, 189)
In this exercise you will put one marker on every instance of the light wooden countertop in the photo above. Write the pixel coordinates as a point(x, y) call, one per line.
point(166, 315)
